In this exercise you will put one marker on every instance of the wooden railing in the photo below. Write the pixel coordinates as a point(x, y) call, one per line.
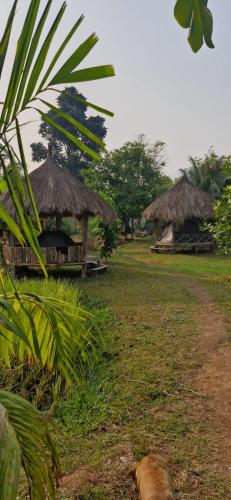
point(193, 238)
point(24, 255)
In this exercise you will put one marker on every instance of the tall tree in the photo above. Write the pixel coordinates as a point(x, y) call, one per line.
point(66, 153)
point(132, 176)
point(211, 172)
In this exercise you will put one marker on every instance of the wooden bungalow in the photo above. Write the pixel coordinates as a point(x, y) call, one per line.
point(184, 208)
point(58, 194)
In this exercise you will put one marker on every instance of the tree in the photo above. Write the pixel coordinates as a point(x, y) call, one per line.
point(132, 176)
point(66, 153)
point(24, 440)
point(195, 15)
point(221, 229)
point(210, 173)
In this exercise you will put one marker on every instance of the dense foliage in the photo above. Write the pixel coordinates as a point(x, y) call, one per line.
point(211, 172)
point(131, 176)
point(65, 152)
point(221, 229)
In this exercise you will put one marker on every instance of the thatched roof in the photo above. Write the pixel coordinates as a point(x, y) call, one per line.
point(182, 202)
point(58, 193)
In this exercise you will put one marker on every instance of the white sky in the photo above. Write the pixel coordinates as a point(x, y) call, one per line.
point(161, 89)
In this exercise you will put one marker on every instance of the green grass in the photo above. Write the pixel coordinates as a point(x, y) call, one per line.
point(139, 397)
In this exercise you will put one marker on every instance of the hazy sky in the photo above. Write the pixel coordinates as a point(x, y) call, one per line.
point(161, 89)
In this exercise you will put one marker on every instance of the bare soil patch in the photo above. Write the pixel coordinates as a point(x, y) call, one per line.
point(213, 379)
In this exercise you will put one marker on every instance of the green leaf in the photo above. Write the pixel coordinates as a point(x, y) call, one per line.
point(38, 66)
point(77, 57)
point(10, 459)
point(195, 15)
point(70, 136)
point(85, 75)
point(11, 224)
point(84, 130)
point(196, 37)
point(84, 101)
point(183, 12)
point(3, 185)
point(20, 57)
point(207, 20)
point(30, 436)
point(6, 37)
point(33, 48)
point(59, 52)
point(21, 210)
point(27, 179)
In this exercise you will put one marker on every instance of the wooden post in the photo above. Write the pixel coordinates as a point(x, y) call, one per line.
point(173, 238)
point(84, 247)
point(58, 222)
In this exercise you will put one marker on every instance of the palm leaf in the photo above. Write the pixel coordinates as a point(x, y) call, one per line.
point(59, 52)
point(6, 37)
point(11, 224)
point(84, 130)
point(77, 57)
point(84, 101)
point(70, 136)
point(20, 57)
point(33, 48)
point(47, 330)
point(27, 179)
point(10, 460)
point(84, 75)
point(42, 56)
point(19, 200)
point(31, 441)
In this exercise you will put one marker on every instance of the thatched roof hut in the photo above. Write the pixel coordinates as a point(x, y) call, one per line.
point(183, 207)
point(181, 203)
point(58, 193)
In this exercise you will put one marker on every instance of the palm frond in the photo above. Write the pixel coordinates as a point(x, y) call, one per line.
point(39, 63)
point(10, 459)
point(4, 43)
point(25, 441)
point(48, 330)
point(84, 130)
point(71, 137)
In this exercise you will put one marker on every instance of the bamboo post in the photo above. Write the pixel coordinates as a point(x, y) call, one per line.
point(84, 247)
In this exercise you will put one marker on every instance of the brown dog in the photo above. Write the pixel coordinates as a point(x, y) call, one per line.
point(152, 479)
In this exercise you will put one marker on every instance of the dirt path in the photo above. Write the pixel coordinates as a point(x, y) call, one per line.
point(213, 380)
point(164, 386)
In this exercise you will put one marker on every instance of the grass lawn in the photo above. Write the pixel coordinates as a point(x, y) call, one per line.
point(140, 398)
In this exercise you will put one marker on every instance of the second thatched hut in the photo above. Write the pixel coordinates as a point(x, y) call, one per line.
point(184, 208)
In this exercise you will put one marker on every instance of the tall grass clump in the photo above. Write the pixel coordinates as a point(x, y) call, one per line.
point(43, 380)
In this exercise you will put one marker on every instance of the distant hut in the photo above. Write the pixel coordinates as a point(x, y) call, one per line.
point(58, 194)
point(184, 208)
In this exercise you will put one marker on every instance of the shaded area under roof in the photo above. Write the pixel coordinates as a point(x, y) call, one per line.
point(58, 193)
point(182, 202)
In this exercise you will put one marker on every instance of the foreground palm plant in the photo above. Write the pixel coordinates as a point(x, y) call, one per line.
point(34, 327)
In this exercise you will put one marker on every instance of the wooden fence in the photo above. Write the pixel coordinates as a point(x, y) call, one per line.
point(23, 256)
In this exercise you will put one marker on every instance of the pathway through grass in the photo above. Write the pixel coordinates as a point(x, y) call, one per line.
point(143, 396)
